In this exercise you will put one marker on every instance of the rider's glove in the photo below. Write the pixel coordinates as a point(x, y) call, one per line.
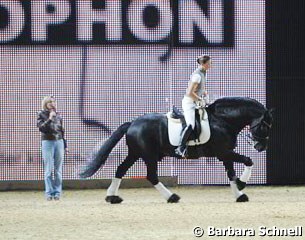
point(200, 103)
point(206, 99)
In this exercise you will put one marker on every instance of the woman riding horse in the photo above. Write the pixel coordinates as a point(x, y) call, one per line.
point(196, 94)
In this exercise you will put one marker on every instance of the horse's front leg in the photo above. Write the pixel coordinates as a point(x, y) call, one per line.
point(239, 195)
point(237, 184)
point(245, 176)
point(235, 157)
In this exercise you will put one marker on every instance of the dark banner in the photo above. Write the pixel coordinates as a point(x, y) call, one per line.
point(285, 91)
point(197, 23)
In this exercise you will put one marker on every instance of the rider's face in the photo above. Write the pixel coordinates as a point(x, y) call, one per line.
point(206, 66)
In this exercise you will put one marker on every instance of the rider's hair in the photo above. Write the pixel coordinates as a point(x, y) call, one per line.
point(203, 59)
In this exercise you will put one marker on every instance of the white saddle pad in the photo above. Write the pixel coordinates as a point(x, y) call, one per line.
point(175, 130)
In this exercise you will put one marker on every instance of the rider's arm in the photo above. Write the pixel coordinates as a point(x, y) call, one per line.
point(193, 85)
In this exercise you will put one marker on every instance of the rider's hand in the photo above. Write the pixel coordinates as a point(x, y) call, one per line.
point(206, 99)
point(200, 103)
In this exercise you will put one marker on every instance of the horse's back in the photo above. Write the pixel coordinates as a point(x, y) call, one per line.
point(148, 121)
point(147, 133)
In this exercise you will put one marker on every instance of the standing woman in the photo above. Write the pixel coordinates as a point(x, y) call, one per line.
point(53, 146)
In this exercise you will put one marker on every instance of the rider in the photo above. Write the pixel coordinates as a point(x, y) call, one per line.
point(196, 95)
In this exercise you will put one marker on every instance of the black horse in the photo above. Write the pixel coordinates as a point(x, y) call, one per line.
point(147, 138)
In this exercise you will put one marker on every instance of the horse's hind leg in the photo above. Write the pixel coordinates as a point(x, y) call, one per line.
point(124, 166)
point(113, 189)
point(152, 177)
point(239, 195)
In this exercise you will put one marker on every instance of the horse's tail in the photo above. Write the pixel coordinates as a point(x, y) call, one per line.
point(101, 156)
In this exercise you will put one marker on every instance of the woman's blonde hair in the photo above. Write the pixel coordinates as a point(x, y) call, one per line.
point(45, 101)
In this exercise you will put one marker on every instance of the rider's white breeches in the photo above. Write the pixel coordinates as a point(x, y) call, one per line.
point(188, 106)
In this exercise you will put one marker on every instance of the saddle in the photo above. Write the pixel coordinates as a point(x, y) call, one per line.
point(176, 123)
point(177, 114)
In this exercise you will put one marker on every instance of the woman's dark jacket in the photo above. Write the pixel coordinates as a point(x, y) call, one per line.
point(50, 129)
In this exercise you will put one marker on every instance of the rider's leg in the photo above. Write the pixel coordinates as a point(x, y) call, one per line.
point(188, 107)
point(181, 150)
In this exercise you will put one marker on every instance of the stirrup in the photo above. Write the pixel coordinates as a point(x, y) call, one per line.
point(181, 153)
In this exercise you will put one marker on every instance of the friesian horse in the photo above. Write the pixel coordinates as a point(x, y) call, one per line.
point(147, 138)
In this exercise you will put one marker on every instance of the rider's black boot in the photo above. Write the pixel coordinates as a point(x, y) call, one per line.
point(181, 150)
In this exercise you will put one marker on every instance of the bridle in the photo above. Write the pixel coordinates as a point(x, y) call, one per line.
point(255, 136)
point(262, 122)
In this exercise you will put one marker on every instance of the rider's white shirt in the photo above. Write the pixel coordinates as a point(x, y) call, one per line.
point(196, 78)
point(199, 77)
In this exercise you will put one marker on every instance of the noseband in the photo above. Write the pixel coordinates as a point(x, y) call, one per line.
point(255, 136)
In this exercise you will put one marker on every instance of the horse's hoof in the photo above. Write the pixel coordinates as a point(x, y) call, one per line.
point(113, 199)
point(240, 184)
point(173, 199)
point(242, 198)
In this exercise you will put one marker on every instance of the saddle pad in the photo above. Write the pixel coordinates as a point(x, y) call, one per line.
point(175, 130)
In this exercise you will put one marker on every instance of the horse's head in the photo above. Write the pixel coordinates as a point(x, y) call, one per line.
point(260, 130)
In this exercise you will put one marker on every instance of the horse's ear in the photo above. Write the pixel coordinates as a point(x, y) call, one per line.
point(271, 111)
point(268, 116)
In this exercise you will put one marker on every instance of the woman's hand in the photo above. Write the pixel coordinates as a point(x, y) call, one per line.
point(67, 150)
point(52, 114)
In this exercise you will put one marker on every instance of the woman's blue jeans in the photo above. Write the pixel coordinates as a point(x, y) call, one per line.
point(53, 156)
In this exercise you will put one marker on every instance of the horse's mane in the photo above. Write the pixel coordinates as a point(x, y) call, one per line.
point(234, 103)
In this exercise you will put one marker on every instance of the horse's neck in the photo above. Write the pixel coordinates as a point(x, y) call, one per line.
point(240, 117)
point(248, 118)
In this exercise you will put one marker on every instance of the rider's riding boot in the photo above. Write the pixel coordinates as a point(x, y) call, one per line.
point(181, 150)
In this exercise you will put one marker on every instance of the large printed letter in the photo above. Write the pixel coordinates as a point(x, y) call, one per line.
point(41, 18)
point(111, 16)
point(15, 20)
point(136, 23)
point(191, 15)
